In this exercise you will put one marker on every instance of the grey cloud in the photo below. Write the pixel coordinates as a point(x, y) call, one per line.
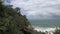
point(54, 15)
point(39, 8)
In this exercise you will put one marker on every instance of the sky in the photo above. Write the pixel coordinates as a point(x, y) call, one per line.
point(38, 9)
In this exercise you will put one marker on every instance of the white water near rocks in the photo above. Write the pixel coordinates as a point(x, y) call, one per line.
point(47, 30)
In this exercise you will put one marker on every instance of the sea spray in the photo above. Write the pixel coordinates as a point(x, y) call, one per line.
point(47, 30)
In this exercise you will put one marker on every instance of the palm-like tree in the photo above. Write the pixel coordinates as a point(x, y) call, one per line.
point(18, 11)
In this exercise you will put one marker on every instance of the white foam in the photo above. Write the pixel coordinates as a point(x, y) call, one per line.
point(45, 29)
point(48, 30)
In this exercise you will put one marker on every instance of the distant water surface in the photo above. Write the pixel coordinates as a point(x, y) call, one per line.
point(46, 23)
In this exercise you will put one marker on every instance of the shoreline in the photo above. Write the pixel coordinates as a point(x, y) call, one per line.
point(47, 30)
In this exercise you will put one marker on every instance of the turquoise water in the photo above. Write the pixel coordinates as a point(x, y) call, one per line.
point(46, 23)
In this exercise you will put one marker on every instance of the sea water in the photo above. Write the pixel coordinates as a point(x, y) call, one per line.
point(45, 25)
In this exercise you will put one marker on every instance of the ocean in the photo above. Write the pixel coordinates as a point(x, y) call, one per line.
point(44, 25)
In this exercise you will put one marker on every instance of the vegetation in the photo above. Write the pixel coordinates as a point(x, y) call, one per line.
point(12, 22)
point(57, 31)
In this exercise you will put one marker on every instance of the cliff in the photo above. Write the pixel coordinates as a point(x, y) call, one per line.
point(12, 22)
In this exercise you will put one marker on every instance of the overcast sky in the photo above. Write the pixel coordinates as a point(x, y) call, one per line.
point(37, 9)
